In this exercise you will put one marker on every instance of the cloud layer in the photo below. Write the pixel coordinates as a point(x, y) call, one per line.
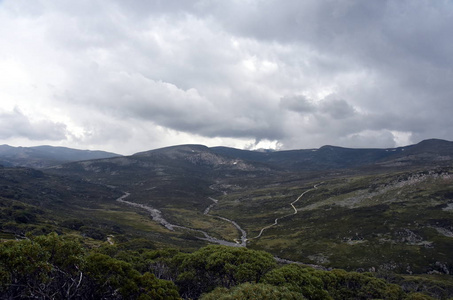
point(128, 76)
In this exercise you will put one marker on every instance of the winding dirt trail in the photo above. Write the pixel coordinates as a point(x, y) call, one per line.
point(157, 217)
point(292, 205)
point(242, 242)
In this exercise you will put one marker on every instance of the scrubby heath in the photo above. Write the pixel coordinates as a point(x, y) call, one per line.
point(63, 267)
point(383, 216)
point(400, 222)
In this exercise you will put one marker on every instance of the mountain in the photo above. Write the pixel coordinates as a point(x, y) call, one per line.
point(224, 158)
point(46, 156)
point(333, 157)
point(379, 210)
point(182, 175)
point(192, 169)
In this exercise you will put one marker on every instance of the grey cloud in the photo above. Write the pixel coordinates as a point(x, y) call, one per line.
point(337, 108)
point(297, 103)
point(407, 41)
point(378, 139)
point(248, 69)
point(15, 124)
point(146, 8)
point(334, 108)
point(317, 22)
point(132, 96)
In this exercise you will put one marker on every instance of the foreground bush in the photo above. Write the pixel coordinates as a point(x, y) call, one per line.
point(219, 266)
point(253, 291)
point(336, 284)
point(54, 267)
point(59, 267)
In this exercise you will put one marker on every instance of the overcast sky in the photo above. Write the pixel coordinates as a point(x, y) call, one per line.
point(129, 76)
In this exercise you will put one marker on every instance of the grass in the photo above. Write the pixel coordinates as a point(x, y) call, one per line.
point(131, 219)
point(196, 220)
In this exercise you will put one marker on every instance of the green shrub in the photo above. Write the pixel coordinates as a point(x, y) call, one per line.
point(58, 267)
point(336, 284)
point(306, 281)
point(212, 266)
point(252, 291)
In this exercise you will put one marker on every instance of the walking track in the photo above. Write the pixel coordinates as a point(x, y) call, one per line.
point(242, 242)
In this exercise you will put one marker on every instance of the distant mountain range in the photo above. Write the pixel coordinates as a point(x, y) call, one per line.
point(327, 157)
point(46, 156)
point(332, 157)
point(189, 170)
point(428, 152)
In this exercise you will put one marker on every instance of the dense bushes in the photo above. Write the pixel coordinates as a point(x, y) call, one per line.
point(54, 267)
point(336, 284)
point(253, 291)
point(218, 266)
point(306, 281)
point(59, 267)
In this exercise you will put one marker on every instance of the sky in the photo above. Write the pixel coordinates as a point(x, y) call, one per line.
point(130, 76)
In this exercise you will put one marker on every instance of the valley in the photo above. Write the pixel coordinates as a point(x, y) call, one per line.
point(382, 211)
point(355, 212)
